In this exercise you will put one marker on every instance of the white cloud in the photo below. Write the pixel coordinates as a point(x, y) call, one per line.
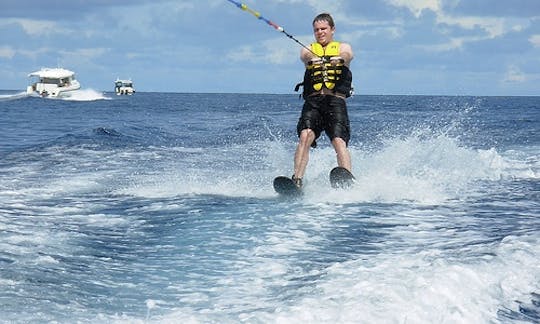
point(491, 27)
point(418, 6)
point(86, 52)
point(322, 5)
point(514, 75)
point(243, 53)
point(280, 55)
point(7, 52)
point(517, 28)
point(279, 51)
point(34, 53)
point(452, 44)
point(275, 51)
point(494, 27)
point(35, 27)
point(387, 29)
point(535, 40)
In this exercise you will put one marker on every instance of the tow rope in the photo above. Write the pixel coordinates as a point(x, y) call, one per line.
point(269, 22)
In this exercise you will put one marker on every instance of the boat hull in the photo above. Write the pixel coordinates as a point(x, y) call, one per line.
point(52, 90)
point(124, 91)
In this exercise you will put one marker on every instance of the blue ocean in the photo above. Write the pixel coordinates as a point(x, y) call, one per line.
point(159, 208)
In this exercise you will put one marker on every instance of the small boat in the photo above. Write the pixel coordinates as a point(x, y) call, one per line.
point(52, 82)
point(123, 87)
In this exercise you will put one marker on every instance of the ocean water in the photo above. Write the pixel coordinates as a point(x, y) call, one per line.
point(159, 208)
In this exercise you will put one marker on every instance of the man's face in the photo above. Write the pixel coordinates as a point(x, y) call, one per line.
point(323, 32)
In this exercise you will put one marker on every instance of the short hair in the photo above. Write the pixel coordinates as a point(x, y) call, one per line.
point(324, 17)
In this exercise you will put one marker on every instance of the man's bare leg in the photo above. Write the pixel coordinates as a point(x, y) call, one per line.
point(301, 156)
point(343, 155)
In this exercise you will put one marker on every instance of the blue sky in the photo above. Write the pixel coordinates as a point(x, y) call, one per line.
point(440, 47)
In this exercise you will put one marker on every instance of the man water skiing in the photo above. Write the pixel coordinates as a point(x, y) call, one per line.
point(327, 82)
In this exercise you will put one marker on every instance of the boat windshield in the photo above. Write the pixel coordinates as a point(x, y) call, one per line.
point(123, 83)
point(49, 80)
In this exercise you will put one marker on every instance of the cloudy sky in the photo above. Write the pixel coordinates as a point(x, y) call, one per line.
point(449, 47)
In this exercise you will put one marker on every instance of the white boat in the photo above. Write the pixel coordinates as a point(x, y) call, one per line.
point(55, 82)
point(123, 87)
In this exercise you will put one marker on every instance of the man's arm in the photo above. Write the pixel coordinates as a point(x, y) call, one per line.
point(306, 55)
point(346, 52)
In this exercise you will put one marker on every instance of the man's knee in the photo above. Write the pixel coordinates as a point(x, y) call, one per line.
point(339, 143)
point(307, 135)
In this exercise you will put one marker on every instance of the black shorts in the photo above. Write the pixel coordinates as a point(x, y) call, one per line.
point(328, 113)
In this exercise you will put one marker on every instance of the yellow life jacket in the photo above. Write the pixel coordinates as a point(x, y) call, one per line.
point(328, 71)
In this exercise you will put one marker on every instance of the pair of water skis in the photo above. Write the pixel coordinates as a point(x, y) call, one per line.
point(339, 178)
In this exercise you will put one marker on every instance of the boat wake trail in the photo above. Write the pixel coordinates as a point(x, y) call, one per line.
point(86, 95)
point(14, 96)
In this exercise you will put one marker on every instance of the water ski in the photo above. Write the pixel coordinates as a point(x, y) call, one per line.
point(285, 186)
point(341, 178)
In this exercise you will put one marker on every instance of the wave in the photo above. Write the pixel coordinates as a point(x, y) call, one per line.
point(77, 95)
point(414, 168)
point(423, 166)
point(86, 95)
point(13, 96)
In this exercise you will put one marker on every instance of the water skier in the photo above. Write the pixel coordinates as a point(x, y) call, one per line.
point(327, 82)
